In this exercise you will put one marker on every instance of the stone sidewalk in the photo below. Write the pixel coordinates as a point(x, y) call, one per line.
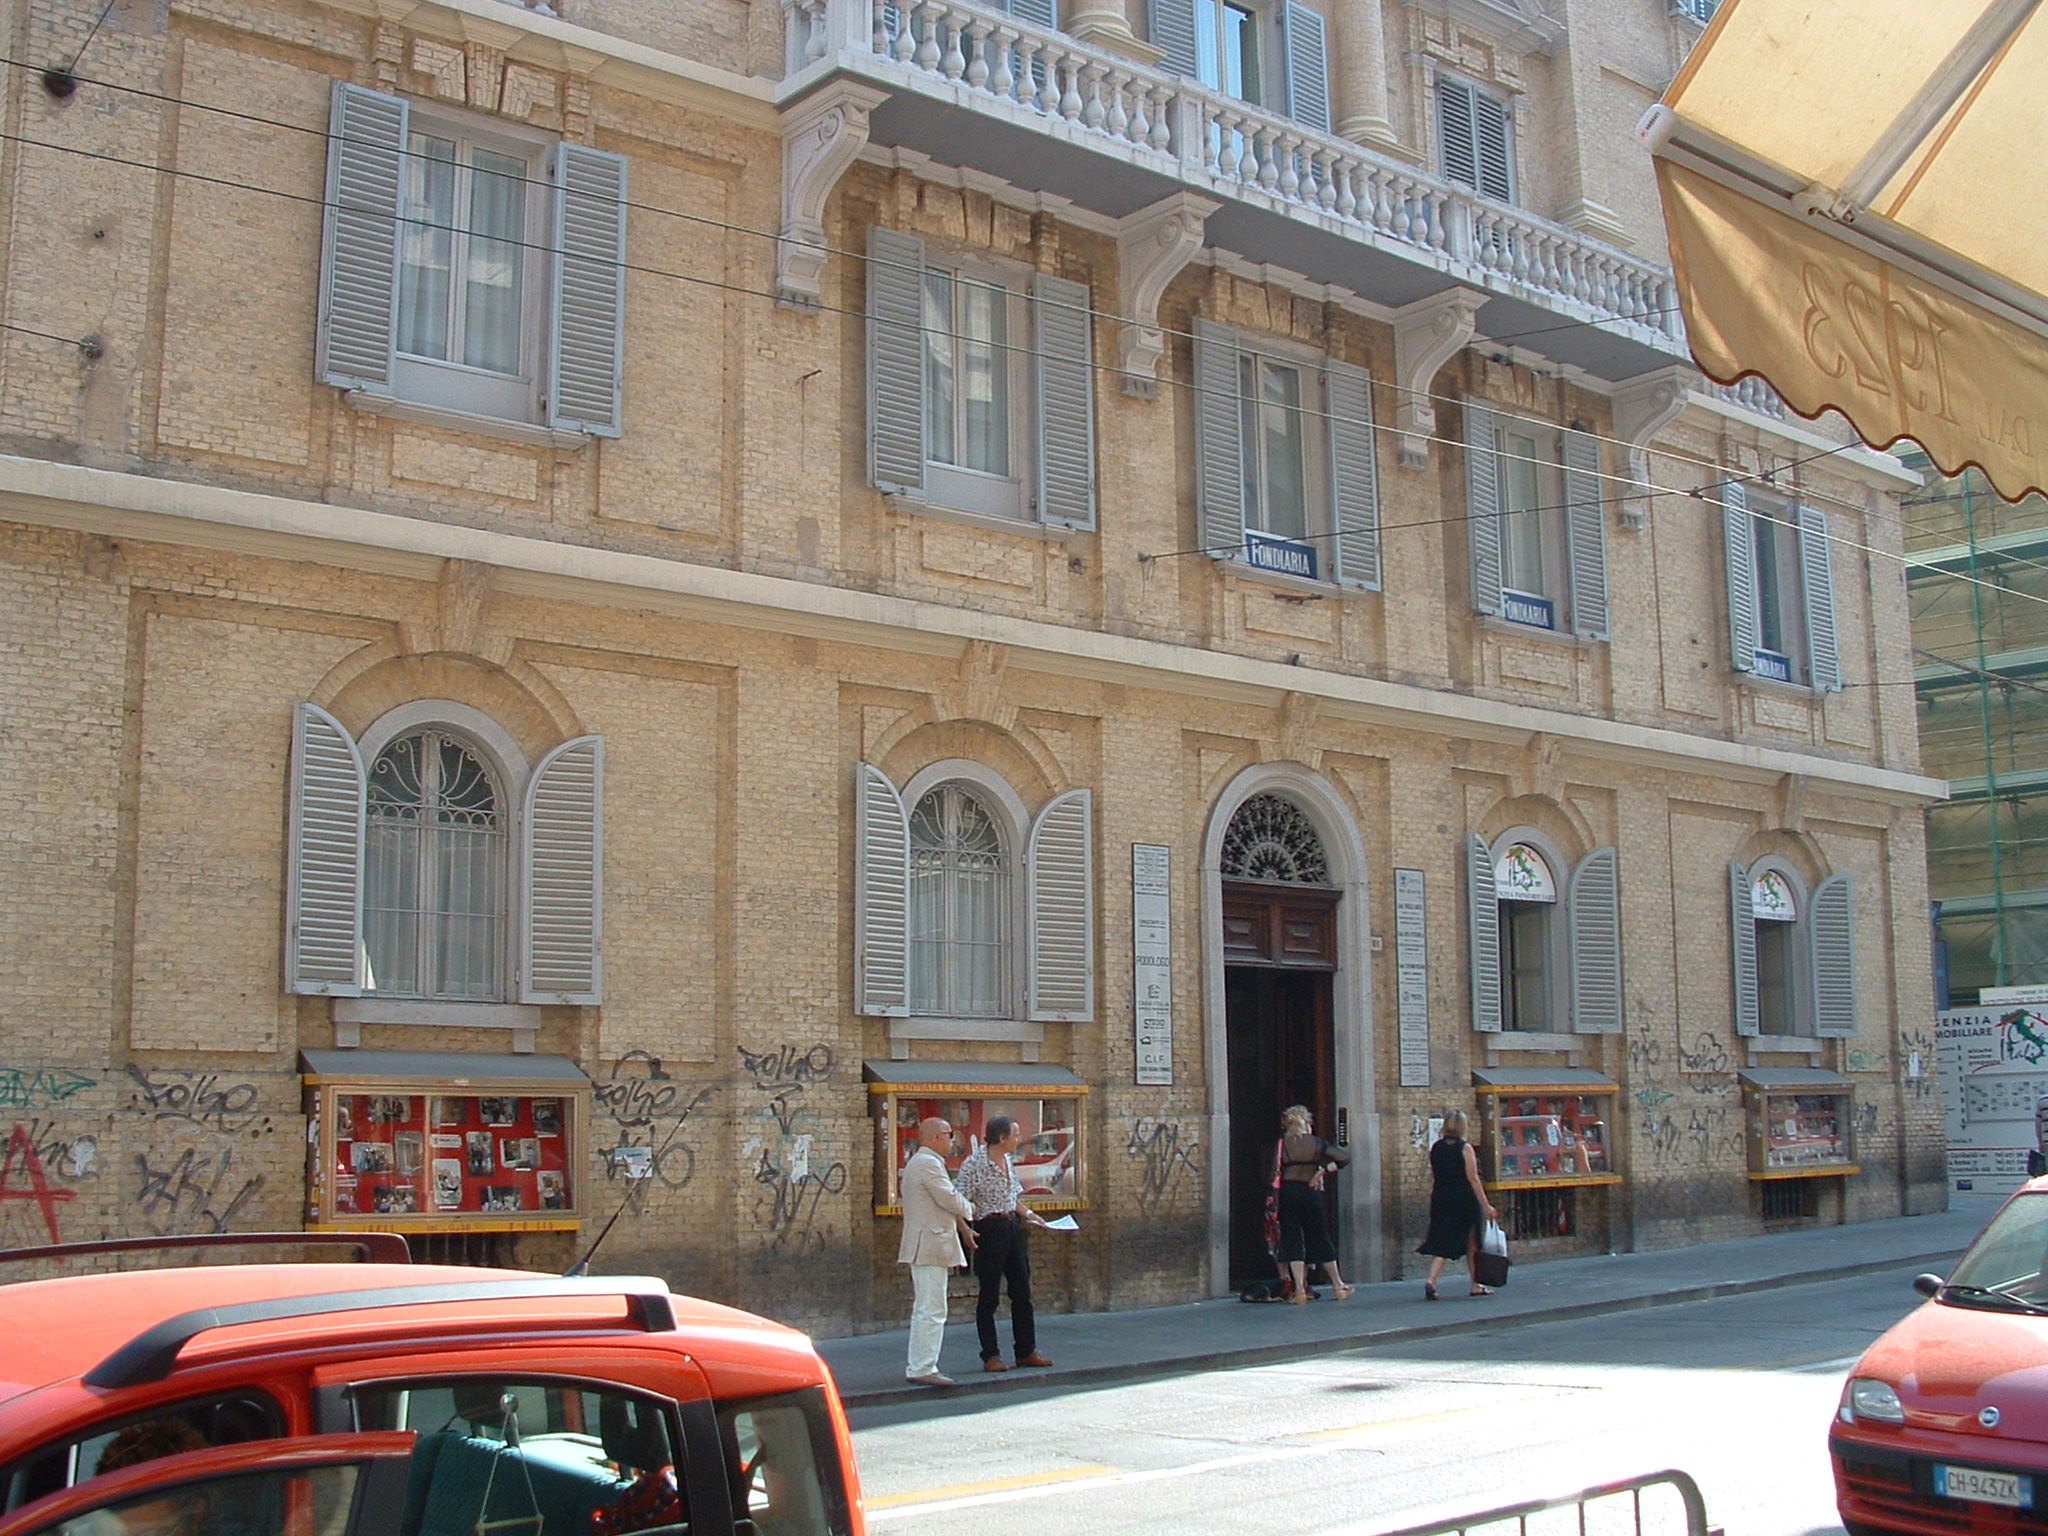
point(1094, 1347)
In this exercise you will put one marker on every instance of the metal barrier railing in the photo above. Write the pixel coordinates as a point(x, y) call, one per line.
point(1631, 1488)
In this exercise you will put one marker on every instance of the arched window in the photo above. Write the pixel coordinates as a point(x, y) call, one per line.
point(1545, 936)
point(433, 871)
point(960, 916)
point(1271, 838)
point(1795, 953)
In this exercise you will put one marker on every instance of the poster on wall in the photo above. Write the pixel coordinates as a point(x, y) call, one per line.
point(1993, 1067)
point(1411, 974)
point(1152, 962)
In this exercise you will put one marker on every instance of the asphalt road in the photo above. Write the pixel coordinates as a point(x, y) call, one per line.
point(1737, 1392)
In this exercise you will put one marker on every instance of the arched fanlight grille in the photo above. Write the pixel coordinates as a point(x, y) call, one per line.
point(1271, 838)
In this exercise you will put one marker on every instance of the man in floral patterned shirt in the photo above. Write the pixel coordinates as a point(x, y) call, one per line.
point(990, 1185)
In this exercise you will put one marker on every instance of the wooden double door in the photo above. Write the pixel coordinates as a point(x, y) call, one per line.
point(1279, 960)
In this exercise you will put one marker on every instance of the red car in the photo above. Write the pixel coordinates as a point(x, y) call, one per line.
point(391, 1399)
point(1943, 1424)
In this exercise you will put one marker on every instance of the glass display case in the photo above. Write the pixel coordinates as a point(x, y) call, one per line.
point(1800, 1125)
point(1051, 1161)
point(404, 1152)
point(1537, 1134)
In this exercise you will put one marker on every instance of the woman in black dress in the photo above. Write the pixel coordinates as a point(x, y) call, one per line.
point(1457, 1201)
point(1305, 1159)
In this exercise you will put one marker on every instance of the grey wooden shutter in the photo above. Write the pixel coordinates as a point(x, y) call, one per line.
point(1490, 144)
point(1740, 554)
point(323, 950)
point(1742, 936)
point(1456, 152)
point(1219, 453)
point(881, 898)
point(587, 309)
point(1064, 360)
point(1308, 72)
point(1593, 910)
point(1040, 13)
point(896, 361)
point(1824, 661)
point(1482, 919)
point(1171, 24)
point(1832, 947)
point(358, 330)
point(562, 876)
point(1060, 875)
point(1354, 475)
point(1482, 506)
point(1585, 535)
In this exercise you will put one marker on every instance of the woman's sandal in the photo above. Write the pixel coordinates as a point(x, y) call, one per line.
point(1342, 1291)
point(1481, 1290)
point(1428, 1291)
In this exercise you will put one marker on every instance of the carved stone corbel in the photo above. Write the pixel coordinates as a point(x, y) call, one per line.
point(1643, 407)
point(1153, 245)
point(819, 141)
point(1427, 334)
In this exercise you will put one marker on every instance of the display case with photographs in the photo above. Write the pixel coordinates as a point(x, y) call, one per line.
point(1547, 1133)
point(457, 1152)
point(1051, 1161)
point(1801, 1124)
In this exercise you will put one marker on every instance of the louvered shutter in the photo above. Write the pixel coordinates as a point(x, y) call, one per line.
point(1593, 909)
point(1459, 155)
point(1066, 401)
point(1740, 552)
point(1308, 71)
point(1832, 948)
point(895, 361)
point(1482, 919)
point(323, 951)
point(1490, 143)
point(587, 309)
point(1219, 454)
point(1585, 535)
point(1742, 933)
point(561, 870)
point(1171, 24)
point(1482, 506)
point(1040, 13)
point(1354, 474)
point(1060, 870)
point(1816, 571)
point(881, 899)
point(358, 329)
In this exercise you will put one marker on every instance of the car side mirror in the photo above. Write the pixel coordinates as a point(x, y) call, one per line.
point(1928, 1285)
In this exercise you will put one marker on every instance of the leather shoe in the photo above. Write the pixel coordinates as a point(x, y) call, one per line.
point(1034, 1358)
point(994, 1363)
point(930, 1379)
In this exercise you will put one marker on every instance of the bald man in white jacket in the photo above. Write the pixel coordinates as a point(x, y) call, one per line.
point(934, 1220)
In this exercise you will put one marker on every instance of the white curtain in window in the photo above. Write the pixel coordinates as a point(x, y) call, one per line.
point(434, 871)
point(959, 907)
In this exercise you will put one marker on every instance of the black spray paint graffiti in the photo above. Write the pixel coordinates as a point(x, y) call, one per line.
point(649, 1110)
point(792, 1167)
point(1707, 1054)
point(202, 1099)
point(197, 1192)
point(1169, 1161)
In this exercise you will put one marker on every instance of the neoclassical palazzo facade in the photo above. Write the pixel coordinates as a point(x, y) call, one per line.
point(608, 604)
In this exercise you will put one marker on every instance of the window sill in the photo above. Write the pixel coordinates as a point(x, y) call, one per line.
point(1783, 1045)
point(995, 522)
point(1297, 588)
point(1783, 690)
point(1021, 1032)
point(526, 432)
point(352, 1013)
point(1509, 629)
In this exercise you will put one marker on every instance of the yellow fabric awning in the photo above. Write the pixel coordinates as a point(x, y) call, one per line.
point(1858, 211)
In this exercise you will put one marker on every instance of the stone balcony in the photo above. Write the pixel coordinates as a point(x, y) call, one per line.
point(1174, 166)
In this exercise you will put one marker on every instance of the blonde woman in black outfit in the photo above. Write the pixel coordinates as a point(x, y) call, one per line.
point(1305, 1158)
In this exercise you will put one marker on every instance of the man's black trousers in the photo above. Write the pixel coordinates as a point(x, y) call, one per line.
point(1000, 1255)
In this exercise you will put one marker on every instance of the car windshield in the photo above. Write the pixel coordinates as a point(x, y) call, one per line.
point(2008, 1264)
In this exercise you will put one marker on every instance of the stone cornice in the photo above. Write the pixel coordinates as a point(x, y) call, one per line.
point(131, 506)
